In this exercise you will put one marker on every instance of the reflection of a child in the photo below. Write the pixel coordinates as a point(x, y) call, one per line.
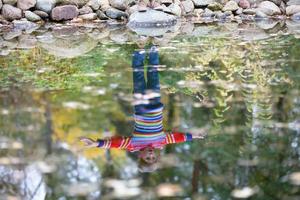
point(148, 136)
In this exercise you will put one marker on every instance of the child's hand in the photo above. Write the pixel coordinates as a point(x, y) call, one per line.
point(88, 142)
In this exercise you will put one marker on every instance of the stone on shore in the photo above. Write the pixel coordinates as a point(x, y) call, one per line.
point(230, 6)
point(215, 6)
point(202, 3)
point(78, 3)
point(85, 10)
point(26, 4)
point(132, 9)
point(119, 4)
point(249, 11)
point(89, 16)
point(94, 4)
point(40, 13)
point(175, 9)
point(66, 12)
point(101, 15)
point(244, 4)
point(188, 6)
point(32, 16)
point(45, 5)
point(293, 9)
point(293, 2)
point(10, 2)
point(11, 13)
point(269, 8)
point(114, 13)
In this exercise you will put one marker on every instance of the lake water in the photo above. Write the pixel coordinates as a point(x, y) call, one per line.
point(239, 84)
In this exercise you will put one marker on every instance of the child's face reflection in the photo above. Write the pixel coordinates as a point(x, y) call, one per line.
point(148, 155)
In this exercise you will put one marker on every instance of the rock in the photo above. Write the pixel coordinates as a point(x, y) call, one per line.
point(244, 4)
point(42, 14)
point(132, 9)
point(89, 16)
point(114, 13)
point(259, 14)
point(296, 16)
point(10, 2)
point(276, 2)
point(26, 4)
point(188, 6)
point(249, 11)
point(104, 5)
point(45, 5)
point(12, 34)
point(27, 41)
point(175, 9)
point(32, 16)
point(77, 3)
point(151, 19)
point(85, 10)
point(202, 3)
point(66, 12)
point(119, 4)
point(239, 11)
point(269, 8)
point(198, 12)
point(230, 6)
point(215, 6)
point(94, 4)
point(11, 13)
point(290, 10)
point(293, 2)
point(208, 13)
point(1, 4)
point(101, 15)
point(24, 25)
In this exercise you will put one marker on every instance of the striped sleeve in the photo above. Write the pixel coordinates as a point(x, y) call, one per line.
point(114, 142)
point(176, 137)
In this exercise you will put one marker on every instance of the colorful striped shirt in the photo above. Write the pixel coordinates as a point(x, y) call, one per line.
point(148, 131)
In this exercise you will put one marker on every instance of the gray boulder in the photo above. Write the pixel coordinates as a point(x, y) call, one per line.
point(32, 16)
point(85, 10)
point(119, 4)
point(114, 13)
point(94, 4)
point(40, 13)
point(269, 8)
point(293, 9)
point(26, 4)
point(45, 5)
point(188, 6)
point(151, 19)
point(66, 12)
point(230, 6)
point(202, 3)
point(11, 13)
point(89, 16)
point(10, 2)
point(293, 2)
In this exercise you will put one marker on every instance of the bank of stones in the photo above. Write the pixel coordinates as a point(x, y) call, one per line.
point(89, 10)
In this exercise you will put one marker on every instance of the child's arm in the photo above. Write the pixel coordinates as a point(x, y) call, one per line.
point(177, 137)
point(113, 142)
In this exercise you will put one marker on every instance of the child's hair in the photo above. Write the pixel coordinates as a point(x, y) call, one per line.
point(146, 167)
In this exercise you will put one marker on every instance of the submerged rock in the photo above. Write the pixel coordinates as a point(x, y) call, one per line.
point(66, 12)
point(45, 5)
point(24, 25)
point(26, 4)
point(293, 9)
point(32, 16)
point(269, 8)
point(11, 13)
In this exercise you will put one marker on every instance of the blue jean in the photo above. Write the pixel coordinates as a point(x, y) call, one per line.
point(140, 86)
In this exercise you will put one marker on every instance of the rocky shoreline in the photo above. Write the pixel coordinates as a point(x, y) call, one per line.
point(40, 11)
